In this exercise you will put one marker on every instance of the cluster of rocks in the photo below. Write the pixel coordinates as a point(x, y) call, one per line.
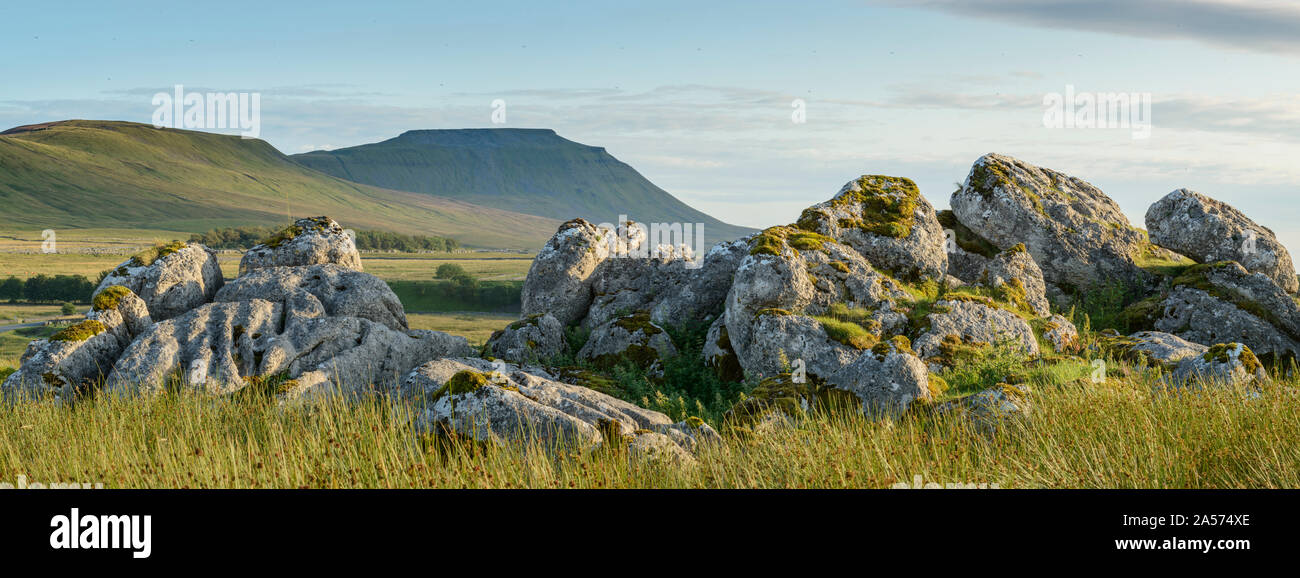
point(860, 302)
point(301, 319)
point(873, 291)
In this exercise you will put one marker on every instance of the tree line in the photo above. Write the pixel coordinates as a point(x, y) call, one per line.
point(246, 237)
point(47, 289)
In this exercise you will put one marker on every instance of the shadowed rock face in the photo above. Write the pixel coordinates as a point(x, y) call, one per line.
point(1210, 231)
point(312, 241)
point(1223, 303)
point(171, 279)
point(343, 292)
point(1077, 235)
point(530, 339)
point(499, 403)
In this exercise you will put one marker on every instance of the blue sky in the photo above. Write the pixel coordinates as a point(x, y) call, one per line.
point(697, 96)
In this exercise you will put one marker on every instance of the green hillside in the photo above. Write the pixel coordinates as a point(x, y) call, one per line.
point(104, 174)
point(532, 171)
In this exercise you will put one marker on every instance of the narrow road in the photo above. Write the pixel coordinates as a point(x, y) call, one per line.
point(4, 328)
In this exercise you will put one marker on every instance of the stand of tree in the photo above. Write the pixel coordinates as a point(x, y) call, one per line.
point(47, 289)
point(246, 237)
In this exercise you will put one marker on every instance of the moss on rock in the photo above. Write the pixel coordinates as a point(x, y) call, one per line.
point(80, 331)
point(153, 254)
point(109, 298)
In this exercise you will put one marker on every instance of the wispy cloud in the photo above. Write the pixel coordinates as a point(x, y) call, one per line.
point(1261, 25)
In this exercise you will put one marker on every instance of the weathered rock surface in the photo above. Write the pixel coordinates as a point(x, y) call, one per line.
point(477, 399)
point(171, 279)
point(1223, 303)
point(1062, 334)
point(673, 290)
point(559, 280)
point(779, 287)
point(630, 338)
point(1210, 231)
point(220, 347)
point(1155, 347)
point(74, 359)
point(888, 222)
point(1014, 274)
point(311, 241)
point(972, 322)
point(1224, 364)
point(529, 340)
point(886, 379)
point(993, 408)
point(133, 309)
point(718, 353)
point(1078, 236)
point(344, 292)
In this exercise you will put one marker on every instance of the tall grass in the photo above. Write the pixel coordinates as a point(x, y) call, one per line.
point(1122, 433)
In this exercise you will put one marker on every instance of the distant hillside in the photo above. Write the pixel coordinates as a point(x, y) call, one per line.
point(532, 171)
point(83, 173)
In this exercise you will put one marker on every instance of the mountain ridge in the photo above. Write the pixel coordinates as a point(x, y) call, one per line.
point(91, 173)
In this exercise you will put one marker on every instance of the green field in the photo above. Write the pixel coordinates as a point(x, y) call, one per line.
point(476, 327)
point(20, 256)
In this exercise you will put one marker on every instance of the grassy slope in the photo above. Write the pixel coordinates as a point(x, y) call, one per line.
point(115, 174)
point(530, 170)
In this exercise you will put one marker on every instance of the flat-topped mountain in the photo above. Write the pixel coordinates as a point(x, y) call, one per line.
point(533, 171)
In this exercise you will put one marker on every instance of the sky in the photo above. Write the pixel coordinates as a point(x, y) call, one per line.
point(701, 98)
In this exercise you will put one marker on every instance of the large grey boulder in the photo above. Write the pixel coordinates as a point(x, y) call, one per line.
point(529, 340)
point(1224, 303)
point(790, 277)
point(1210, 231)
point(1154, 347)
point(75, 359)
point(780, 342)
point(886, 379)
point(171, 278)
point(972, 322)
point(502, 403)
point(1061, 334)
point(310, 241)
point(629, 338)
point(1077, 235)
point(223, 347)
point(887, 221)
point(1014, 275)
point(673, 289)
point(344, 292)
point(133, 309)
point(559, 280)
point(1224, 364)
point(968, 253)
